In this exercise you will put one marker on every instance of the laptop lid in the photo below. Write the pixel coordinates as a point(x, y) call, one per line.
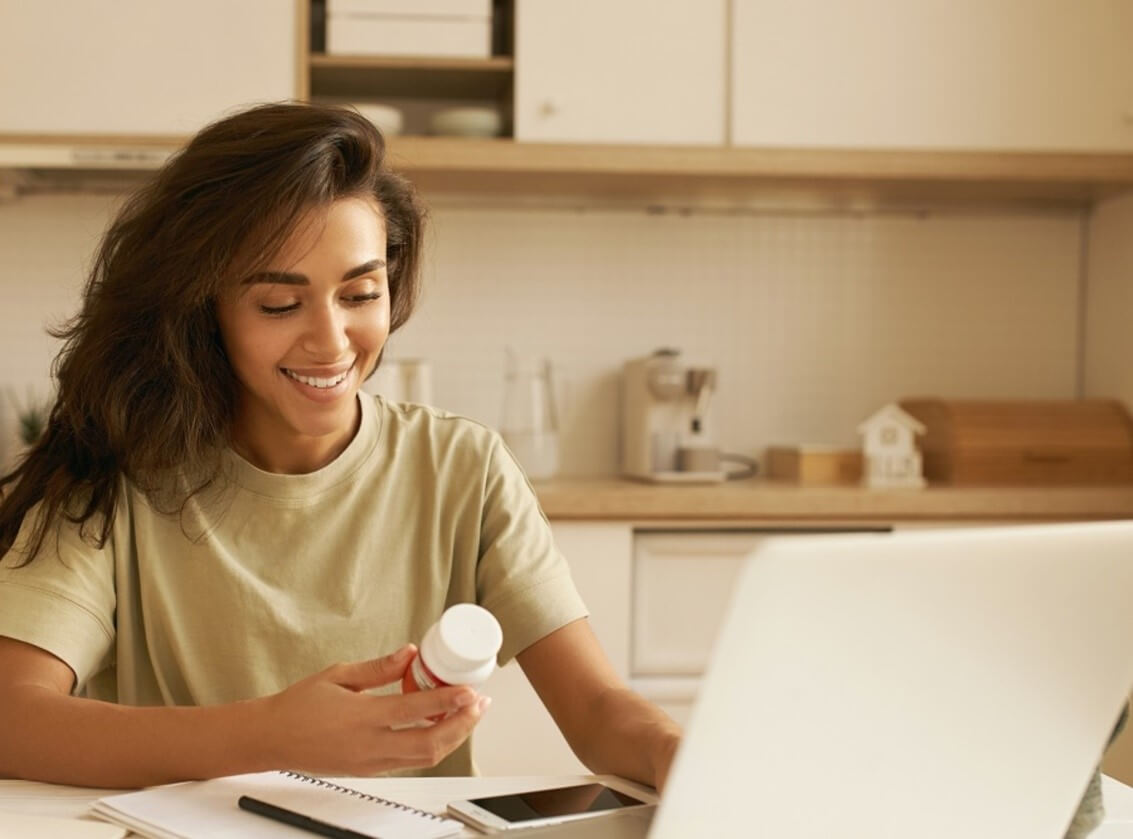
point(938, 683)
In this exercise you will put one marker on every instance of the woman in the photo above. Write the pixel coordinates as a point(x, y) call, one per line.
point(215, 516)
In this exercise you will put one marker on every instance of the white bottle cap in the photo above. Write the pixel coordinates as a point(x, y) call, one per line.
point(461, 648)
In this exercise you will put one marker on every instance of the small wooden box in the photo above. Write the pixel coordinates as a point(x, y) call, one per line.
point(814, 465)
point(1043, 443)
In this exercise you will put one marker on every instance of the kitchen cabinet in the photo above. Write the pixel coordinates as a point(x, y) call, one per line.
point(657, 597)
point(625, 102)
point(682, 588)
point(135, 67)
point(1042, 75)
point(656, 600)
point(638, 71)
point(690, 574)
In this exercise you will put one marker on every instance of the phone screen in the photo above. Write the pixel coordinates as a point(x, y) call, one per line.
point(561, 801)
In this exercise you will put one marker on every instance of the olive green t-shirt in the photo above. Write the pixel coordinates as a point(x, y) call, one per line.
point(278, 576)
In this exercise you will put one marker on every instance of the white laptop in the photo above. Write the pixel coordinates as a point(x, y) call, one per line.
point(933, 684)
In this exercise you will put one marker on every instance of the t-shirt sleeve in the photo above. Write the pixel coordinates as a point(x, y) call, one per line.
point(63, 601)
point(521, 577)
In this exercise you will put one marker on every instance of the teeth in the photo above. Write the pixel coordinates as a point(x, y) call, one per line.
point(314, 381)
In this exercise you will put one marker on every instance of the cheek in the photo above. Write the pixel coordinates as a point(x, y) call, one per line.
point(372, 330)
point(252, 344)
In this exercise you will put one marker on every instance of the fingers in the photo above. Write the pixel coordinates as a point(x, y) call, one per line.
point(402, 709)
point(418, 747)
point(363, 675)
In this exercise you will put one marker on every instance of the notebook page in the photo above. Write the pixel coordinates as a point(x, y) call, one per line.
point(208, 810)
point(51, 827)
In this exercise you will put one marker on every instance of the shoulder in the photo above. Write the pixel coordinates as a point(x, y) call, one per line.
point(407, 422)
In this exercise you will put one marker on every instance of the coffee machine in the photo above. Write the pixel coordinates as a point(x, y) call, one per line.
point(665, 406)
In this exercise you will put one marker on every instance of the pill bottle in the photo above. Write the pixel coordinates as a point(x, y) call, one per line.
point(459, 649)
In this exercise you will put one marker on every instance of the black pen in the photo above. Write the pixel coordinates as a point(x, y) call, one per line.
point(280, 814)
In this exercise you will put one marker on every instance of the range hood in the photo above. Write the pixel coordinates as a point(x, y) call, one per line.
point(86, 155)
point(61, 164)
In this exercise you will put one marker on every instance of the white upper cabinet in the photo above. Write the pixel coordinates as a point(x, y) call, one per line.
point(1050, 75)
point(632, 71)
point(141, 67)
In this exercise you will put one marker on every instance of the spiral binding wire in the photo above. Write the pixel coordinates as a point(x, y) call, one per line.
point(374, 799)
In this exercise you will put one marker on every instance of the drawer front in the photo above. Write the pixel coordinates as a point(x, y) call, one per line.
point(682, 588)
point(682, 584)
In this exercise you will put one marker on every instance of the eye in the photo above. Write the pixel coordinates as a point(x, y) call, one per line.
point(362, 299)
point(278, 310)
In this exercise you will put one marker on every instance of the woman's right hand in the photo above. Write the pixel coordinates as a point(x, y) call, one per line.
point(326, 724)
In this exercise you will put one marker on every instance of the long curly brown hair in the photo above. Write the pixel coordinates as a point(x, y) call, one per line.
point(145, 390)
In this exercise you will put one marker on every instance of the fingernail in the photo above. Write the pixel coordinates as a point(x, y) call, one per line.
point(404, 651)
point(485, 701)
point(463, 700)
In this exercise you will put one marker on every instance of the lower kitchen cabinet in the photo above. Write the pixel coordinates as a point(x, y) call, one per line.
point(657, 598)
point(682, 584)
point(656, 601)
point(682, 587)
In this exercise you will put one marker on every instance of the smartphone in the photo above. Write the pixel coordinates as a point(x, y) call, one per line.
point(543, 806)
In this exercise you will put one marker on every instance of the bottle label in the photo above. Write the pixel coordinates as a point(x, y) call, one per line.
point(424, 678)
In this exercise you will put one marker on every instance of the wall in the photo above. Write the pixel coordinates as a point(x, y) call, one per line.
point(46, 244)
point(813, 319)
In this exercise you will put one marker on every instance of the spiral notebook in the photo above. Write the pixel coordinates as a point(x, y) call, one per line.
point(209, 810)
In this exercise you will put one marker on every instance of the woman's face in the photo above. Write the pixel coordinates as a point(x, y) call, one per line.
point(303, 336)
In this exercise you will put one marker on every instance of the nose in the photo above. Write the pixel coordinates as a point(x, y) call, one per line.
point(325, 337)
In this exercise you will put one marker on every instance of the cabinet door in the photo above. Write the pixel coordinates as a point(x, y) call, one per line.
point(141, 67)
point(960, 74)
point(682, 590)
point(682, 586)
point(636, 71)
point(518, 736)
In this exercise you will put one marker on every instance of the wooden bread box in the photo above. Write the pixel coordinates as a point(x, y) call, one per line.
point(1024, 442)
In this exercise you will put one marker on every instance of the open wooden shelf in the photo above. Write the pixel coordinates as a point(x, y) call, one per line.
point(367, 77)
point(730, 174)
point(507, 168)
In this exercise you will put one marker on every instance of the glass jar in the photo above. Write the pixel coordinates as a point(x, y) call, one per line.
point(530, 425)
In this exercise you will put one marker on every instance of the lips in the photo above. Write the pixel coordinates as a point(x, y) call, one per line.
point(322, 378)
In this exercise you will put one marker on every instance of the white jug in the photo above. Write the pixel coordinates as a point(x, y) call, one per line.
point(529, 425)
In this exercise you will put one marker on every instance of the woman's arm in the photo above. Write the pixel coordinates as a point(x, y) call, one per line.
point(609, 727)
point(323, 724)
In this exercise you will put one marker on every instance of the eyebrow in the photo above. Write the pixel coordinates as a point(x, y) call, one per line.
point(291, 278)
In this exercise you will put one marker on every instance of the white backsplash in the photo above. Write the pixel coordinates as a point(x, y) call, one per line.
point(813, 320)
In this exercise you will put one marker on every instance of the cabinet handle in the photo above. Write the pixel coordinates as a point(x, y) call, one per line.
point(547, 109)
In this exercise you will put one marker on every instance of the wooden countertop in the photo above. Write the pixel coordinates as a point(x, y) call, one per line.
point(761, 501)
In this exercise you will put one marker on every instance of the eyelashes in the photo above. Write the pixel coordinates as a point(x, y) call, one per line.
point(279, 310)
point(352, 300)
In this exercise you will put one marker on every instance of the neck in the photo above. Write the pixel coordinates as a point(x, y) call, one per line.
point(283, 451)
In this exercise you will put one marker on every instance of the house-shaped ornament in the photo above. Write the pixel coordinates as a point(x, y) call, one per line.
point(890, 458)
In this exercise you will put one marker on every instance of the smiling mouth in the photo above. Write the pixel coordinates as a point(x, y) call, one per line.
point(316, 381)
